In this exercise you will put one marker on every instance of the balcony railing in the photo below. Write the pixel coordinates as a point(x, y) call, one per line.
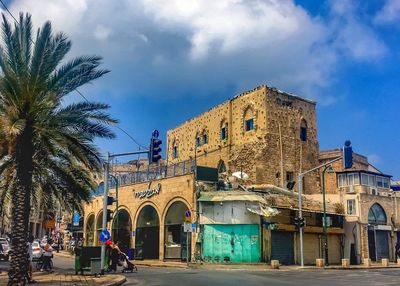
point(153, 172)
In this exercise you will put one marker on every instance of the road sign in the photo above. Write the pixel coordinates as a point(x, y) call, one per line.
point(155, 133)
point(187, 227)
point(188, 214)
point(75, 219)
point(105, 235)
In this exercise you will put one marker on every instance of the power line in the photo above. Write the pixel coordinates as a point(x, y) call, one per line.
point(80, 93)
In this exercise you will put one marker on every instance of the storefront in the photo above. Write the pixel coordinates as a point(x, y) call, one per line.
point(378, 233)
point(149, 218)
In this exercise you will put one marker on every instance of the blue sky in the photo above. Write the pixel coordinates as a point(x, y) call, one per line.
point(170, 62)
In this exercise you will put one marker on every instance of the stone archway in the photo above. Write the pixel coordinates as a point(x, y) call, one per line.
point(175, 238)
point(99, 227)
point(122, 229)
point(378, 238)
point(89, 230)
point(147, 242)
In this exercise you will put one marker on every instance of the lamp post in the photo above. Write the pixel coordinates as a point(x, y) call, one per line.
point(325, 227)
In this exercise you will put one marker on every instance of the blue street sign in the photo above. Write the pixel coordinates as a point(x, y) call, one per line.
point(104, 235)
point(155, 133)
point(75, 219)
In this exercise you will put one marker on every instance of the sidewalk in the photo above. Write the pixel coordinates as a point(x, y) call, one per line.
point(65, 279)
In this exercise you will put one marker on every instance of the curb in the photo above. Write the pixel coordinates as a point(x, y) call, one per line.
point(117, 283)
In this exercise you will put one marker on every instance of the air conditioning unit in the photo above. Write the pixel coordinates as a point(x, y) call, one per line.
point(373, 191)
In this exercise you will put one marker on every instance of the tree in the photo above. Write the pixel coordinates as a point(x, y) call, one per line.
point(46, 146)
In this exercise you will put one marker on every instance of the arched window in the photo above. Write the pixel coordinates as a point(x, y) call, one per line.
point(303, 130)
point(224, 130)
point(221, 167)
point(377, 215)
point(249, 119)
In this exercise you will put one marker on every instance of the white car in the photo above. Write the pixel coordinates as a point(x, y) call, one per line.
point(37, 250)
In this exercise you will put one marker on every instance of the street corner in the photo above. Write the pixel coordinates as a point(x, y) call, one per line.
point(73, 280)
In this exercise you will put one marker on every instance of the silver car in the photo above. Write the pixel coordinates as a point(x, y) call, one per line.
point(37, 250)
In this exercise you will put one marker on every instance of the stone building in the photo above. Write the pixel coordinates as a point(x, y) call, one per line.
point(370, 207)
point(266, 133)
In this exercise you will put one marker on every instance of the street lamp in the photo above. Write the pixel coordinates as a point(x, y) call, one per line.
point(329, 169)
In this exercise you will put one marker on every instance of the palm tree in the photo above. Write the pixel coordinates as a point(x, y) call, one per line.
point(46, 147)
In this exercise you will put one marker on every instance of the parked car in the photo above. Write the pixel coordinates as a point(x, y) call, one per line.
point(37, 250)
point(5, 254)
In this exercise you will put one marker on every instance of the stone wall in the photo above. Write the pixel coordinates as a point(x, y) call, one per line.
point(268, 152)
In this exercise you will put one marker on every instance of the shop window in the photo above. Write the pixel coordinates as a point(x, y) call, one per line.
point(249, 124)
point(351, 207)
point(175, 152)
point(303, 130)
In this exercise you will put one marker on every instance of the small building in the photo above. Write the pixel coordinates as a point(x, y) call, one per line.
point(370, 207)
point(257, 225)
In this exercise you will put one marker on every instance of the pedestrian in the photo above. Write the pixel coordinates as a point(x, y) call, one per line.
point(78, 255)
point(48, 254)
point(115, 251)
point(30, 258)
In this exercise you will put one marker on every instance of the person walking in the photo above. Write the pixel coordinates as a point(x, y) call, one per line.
point(29, 275)
point(48, 254)
point(78, 255)
point(115, 251)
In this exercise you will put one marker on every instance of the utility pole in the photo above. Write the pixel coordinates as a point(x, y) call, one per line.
point(154, 157)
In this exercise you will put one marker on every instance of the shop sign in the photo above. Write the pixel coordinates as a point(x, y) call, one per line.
point(148, 193)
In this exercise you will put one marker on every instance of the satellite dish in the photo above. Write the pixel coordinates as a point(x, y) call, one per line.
point(240, 175)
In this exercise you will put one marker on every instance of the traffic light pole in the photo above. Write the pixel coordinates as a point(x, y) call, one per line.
point(300, 193)
point(106, 177)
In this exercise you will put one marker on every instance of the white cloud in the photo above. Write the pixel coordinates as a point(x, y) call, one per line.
point(389, 14)
point(354, 37)
point(102, 33)
point(180, 46)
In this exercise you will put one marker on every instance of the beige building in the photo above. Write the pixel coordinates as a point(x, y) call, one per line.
point(370, 207)
point(266, 133)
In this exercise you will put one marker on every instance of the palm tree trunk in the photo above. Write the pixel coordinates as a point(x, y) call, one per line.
point(21, 206)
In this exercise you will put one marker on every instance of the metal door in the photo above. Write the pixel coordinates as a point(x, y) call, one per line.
point(282, 247)
point(234, 243)
point(382, 244)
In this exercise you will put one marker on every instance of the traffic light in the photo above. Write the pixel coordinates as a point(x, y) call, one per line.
point(155, 150)
point(110, 200)
point(109, 216)
point(299, 222)
point(347, 155)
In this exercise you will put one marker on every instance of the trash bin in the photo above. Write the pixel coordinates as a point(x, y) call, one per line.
point(131, 253)
point(95, 265)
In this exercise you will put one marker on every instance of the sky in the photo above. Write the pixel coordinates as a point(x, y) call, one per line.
point(172, 60)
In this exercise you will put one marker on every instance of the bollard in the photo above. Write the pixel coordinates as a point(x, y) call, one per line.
point(367, 262)
point(385, 262)
point(398, 261)
point(275, 264)
point(345, 263)
point(320, 262)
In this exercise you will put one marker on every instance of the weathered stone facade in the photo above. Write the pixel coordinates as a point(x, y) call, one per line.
point(271, 152)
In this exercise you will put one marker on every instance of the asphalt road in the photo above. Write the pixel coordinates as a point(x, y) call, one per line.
point(195, 277)
point(184, 277)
